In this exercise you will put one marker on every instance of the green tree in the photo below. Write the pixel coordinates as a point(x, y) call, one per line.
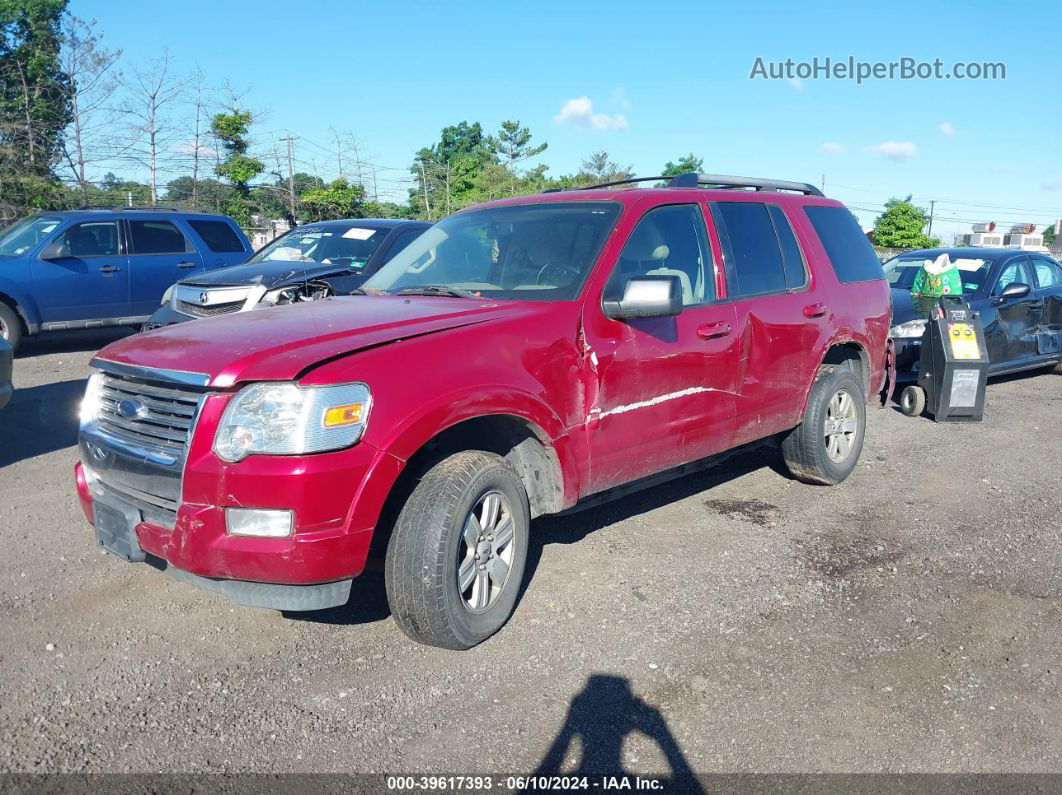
point(598, 168)
point(238, 167)
point(34, 104)
point(901, 225)
point(338, 199)
point(208, 194)
point(446, 173)
point(512, 145)
point(684, 165)
point(1049, 235)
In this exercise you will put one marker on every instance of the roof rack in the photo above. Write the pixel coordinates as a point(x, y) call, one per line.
point(694, 180)
point(150, 208)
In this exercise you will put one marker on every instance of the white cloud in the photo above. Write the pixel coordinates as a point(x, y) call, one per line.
point(797, 84)
point(619, 96)
point(895, 150)
point(946, 128)
point(1054, 184)
point(189, 147)
point(832, 148)
point(580, 111)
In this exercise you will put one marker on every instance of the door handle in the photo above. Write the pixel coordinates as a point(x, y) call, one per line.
point(109, 269)
point(185, 265)
point(814, 310)
point(708, 331)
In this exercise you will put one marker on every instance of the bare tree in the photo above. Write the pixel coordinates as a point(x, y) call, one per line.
point(152, 91)
point(198, 99)
point(93, 81)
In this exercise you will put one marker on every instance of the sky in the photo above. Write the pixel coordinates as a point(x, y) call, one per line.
point(648, 82)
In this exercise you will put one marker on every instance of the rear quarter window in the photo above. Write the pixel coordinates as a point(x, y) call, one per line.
point(218, 235)
point(850, 252)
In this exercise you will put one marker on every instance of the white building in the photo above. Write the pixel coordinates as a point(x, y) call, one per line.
point(1024, 237)
point(983, 235)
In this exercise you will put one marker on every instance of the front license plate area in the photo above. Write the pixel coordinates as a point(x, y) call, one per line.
point(116, 529)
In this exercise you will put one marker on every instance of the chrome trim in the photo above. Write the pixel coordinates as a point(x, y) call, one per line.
point(185, 377)
point(214, 295)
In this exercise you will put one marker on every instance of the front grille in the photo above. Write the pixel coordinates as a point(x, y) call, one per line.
point(209, 311)
point(162, 416)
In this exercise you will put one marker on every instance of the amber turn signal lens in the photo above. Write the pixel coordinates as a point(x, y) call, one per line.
point(338, 416)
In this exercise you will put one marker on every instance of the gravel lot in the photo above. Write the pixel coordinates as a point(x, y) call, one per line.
point(734, 620)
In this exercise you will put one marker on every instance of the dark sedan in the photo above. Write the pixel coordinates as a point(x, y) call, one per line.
point(308, 263)
point(1018, 294)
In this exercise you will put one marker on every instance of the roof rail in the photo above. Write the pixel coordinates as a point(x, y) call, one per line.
point(695, 180)
point(621, 182)
point(122, 209)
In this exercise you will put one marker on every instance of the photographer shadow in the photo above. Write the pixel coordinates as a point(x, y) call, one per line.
point(601, 717)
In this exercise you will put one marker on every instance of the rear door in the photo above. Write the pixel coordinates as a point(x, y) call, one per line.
point(159, 255)
point(1048, 276)
point(1010, 335)
point(88, 286)
point(778, 319)
point(660, 391)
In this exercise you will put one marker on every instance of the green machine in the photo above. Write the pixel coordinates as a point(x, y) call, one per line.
point(954, 365)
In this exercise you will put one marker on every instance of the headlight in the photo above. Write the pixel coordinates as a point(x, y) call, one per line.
point(166, 296)
point(92, 403)
point(909, 330)
point(286, 419)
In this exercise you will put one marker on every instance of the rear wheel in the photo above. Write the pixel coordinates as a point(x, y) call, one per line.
point(825, 447)
point(456, 558)
point(10, 326)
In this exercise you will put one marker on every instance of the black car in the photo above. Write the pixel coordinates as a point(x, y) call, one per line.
point(6, 355)
point(1018, 294)
point(308, 263)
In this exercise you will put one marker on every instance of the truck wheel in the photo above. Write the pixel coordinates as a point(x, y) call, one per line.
point(825, 447)
point(455, 561)
point(10, 326)
point(913, 401)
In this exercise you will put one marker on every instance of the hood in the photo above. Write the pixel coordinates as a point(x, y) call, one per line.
point(903, 306)
point(271, 273)
point(282, 342)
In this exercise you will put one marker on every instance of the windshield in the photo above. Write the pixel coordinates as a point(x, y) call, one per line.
point(24, 235)
point(349, 246)
point(531, 252)
point(901, 271)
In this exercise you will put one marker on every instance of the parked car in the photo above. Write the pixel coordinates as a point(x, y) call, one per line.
point(6, 388)
point(1018, 294)
point(306, 264)
point(518, 357)
point(79, 269)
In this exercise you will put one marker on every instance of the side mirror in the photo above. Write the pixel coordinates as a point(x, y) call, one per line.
point(56, 250)
point(1012, 291)
point(647, 296)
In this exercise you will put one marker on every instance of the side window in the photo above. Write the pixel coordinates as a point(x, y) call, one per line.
point(218, 235)
point(792, 260)
point(402, 240)
point(92, 239)
point(1015, 271)
point(1047, 273)
point(751, 253)
point(667, 241)
point(850, 252)
point(156, 237)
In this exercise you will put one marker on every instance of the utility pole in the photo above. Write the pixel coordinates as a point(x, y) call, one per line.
point(424, 185)
point(932, 204)
point(824, 183)
point(339, 154)
point(291, 181)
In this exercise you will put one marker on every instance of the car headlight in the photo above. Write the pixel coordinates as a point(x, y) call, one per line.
point(92, 403)
point(288, 419)
point(166, 296)
point(910, 330)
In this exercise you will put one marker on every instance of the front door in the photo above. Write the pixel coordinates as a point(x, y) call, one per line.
point(659, 391)
point(1010, 334)
point(89, 284)
point(159, 256)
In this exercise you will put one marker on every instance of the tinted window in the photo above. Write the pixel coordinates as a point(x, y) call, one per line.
point(403, 239)
point(1047, 273)
point(156, 237)
point(218, 236)
point(1013, 272)
point(92, 239)
point(792, 261)
point(850, 252)
point(751, 253)
point(668, 241)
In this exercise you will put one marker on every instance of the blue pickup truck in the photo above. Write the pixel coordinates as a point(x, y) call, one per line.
point(80, 269)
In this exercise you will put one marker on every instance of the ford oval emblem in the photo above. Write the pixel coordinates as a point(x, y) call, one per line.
point(130, 409)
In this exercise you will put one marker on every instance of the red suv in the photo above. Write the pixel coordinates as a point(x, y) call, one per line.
point(518, 357)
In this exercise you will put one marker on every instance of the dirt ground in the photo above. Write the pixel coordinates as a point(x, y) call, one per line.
point(734, 620)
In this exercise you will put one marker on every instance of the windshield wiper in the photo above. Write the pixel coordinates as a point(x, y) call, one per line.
point(436, 289)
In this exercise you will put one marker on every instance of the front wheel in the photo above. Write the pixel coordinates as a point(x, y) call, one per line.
point(455, 561)
point(825, 447)
point(10, 326)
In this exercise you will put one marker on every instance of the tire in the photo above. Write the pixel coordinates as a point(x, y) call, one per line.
point(1057, 369)
point(808, 449)
point(10, 326)
point(429, 549)
point(913, 401)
